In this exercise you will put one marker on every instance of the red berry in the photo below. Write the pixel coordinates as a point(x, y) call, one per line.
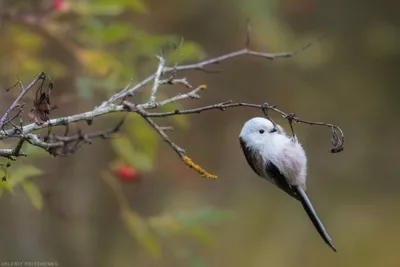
point(57, 4)
point(127, 173)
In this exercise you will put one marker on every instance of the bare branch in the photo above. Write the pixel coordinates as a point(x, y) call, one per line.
point(157, 79)
point(242, 52)
point(67, 145)
point(125, 92)
point(201, 66)
point(10, 153)
point(95, 113)
point(64, 120)
point(24, 90)
point(87, 137)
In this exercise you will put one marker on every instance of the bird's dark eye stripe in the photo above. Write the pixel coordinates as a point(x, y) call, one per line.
point(273, 130)
point(261, 131)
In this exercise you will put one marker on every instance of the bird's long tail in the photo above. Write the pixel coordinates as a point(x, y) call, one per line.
point(313, 216)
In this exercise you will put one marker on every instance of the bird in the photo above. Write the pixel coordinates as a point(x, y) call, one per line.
point(280, 159)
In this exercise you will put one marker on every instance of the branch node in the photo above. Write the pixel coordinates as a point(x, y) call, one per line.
point(194, 96)
point(129, 106)
point(89, 121)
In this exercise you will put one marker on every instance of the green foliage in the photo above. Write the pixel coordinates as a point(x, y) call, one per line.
point(34, 151)
point(19, 53)
point(139, 229)
point(107, 7)
point(125, 149)
point(189, 222)
point(204, 215)
point(19, 177)
point(190, 257)
point(20, 174)
point(138, 145)
point(34, 194)
point(96, 36)
point(200, 234)
point(180, 121)
point(140, 132)
point(135, 224)
point(166, 225)
point(148, 231)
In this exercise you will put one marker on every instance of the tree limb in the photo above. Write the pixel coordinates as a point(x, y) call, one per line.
point(67, 145)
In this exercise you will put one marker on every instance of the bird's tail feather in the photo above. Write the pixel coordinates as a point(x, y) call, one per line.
point(313, 216)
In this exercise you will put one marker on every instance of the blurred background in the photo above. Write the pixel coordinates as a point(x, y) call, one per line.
point(130, 201)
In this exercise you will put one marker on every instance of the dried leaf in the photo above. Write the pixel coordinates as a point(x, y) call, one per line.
point(337, 141)
point(40, 112)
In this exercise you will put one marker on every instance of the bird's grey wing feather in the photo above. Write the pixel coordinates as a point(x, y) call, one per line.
point(252, 158)
point(256, 162)
point(280, 180)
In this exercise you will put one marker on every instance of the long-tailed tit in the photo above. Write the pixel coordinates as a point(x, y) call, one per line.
point(281, 160)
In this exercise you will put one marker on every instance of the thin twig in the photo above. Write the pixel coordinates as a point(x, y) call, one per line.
point(64, 120)
point(192, 94)
point(17, 149)
point(200, 66)
point(67, 145)
point(124, 93)
point(229, 104)
point(24, 90)
point(156, 84)
point(95, 113)
point(244, 51)
point(172, 81)
point(180, 151)
point(87, 136)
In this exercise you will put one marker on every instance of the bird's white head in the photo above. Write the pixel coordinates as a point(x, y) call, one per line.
point(259, 131)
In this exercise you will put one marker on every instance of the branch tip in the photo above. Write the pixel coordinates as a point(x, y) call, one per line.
point(199, 169)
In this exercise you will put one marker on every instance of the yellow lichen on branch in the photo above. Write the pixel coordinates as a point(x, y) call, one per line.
point(199, 169)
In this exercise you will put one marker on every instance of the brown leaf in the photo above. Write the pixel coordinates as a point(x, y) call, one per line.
point(337, 141)
point(41, 107)
point(44, 103)
point(38, 116)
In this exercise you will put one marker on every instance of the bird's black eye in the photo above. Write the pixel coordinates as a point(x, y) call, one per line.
point(273, 130)
point(261, 131)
